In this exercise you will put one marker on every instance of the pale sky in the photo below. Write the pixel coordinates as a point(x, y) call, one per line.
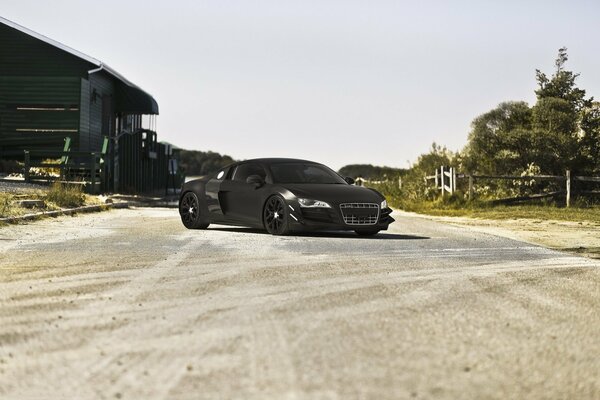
point(337, 82)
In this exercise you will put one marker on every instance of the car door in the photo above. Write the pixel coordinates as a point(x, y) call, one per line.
point(240, 201)
point(212, 194)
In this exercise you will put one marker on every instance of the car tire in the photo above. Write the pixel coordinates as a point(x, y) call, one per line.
point(189, 211)
point(276, 216)
point(367, 232)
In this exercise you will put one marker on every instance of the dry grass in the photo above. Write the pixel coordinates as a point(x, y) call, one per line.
point(56, 197)
point(65, 196)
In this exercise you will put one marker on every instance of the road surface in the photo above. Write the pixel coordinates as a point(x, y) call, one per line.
point(128, 304)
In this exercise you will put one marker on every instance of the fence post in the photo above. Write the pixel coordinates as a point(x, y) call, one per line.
point(470, 187)
point(454, 179)
point(442, 179)
point(568, 188)
point(399, 182)
point(93, 172)
point(26, 166)
point(437, 183)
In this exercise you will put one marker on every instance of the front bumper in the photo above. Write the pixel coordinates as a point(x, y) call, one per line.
point(333, 219)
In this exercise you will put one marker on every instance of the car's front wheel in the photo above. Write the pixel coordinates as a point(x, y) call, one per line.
point(189, 210)
point(276, 216)
point(367, 232)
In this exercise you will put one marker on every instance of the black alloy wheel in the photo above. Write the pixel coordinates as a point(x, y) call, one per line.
point(189, 210)
point(275, 216)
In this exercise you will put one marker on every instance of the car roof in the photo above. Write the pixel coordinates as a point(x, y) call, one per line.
point(276, 160)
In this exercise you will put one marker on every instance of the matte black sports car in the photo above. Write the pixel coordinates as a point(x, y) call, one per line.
point(283, 195)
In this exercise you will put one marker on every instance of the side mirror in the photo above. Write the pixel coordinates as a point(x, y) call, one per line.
point(349, 180)
point(255, 180)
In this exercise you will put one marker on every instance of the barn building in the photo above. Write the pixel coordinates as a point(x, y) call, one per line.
point(49, 92)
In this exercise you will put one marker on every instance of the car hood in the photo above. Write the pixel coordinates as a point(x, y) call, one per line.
point(334, 193)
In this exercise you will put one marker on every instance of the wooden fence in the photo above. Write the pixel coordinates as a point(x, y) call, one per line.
point(359, 181)
point(133, 162)
point(446, 178)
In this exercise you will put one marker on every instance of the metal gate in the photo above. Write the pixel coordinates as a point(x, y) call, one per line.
point(142, 164)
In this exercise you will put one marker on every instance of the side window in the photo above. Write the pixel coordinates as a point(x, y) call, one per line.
point(243, 171)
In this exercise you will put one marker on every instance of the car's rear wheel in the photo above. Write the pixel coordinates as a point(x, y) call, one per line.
point(367, 232)
point(189, 210)
point(276, 216)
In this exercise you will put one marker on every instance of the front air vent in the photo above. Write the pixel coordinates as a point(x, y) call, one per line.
point(318, 214)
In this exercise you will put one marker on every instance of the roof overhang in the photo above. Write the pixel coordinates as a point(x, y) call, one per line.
point(134, 98)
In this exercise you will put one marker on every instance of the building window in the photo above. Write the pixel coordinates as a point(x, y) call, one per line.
point(47, 107)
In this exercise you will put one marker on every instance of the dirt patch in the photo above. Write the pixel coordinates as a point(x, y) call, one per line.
point(582, 238)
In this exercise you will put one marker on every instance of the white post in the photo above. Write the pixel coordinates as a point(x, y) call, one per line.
point(453, 180)
point(443, 180)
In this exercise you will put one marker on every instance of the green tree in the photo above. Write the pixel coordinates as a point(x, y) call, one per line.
point(562, 134)
point(559, 132)
point(500, 140)
point(590, 139)
point(555, 123)
point(561, 84)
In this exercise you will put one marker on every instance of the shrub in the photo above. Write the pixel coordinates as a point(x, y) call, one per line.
point(65, 195)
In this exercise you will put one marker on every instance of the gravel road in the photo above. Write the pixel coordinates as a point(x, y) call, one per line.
point(20, 187)
point(128, 304)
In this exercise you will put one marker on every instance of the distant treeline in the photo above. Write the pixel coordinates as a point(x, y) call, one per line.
point(196, 163)
point(371, 172)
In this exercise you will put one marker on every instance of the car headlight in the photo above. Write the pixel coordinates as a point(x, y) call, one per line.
point(308, 203)
point(384, 204)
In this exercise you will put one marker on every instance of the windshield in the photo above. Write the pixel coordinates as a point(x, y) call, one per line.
point(304, 173)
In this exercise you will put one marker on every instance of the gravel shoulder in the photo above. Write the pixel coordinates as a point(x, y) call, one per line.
point(127, 304)
point(9, 186)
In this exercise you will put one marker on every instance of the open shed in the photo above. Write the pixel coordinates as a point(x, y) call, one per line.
point(49, 91)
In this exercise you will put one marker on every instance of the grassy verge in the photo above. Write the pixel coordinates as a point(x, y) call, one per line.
point(484, 211)
point(57, 197)
point(457, 206)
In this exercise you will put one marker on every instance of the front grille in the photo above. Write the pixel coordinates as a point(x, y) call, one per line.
point(360, 213)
